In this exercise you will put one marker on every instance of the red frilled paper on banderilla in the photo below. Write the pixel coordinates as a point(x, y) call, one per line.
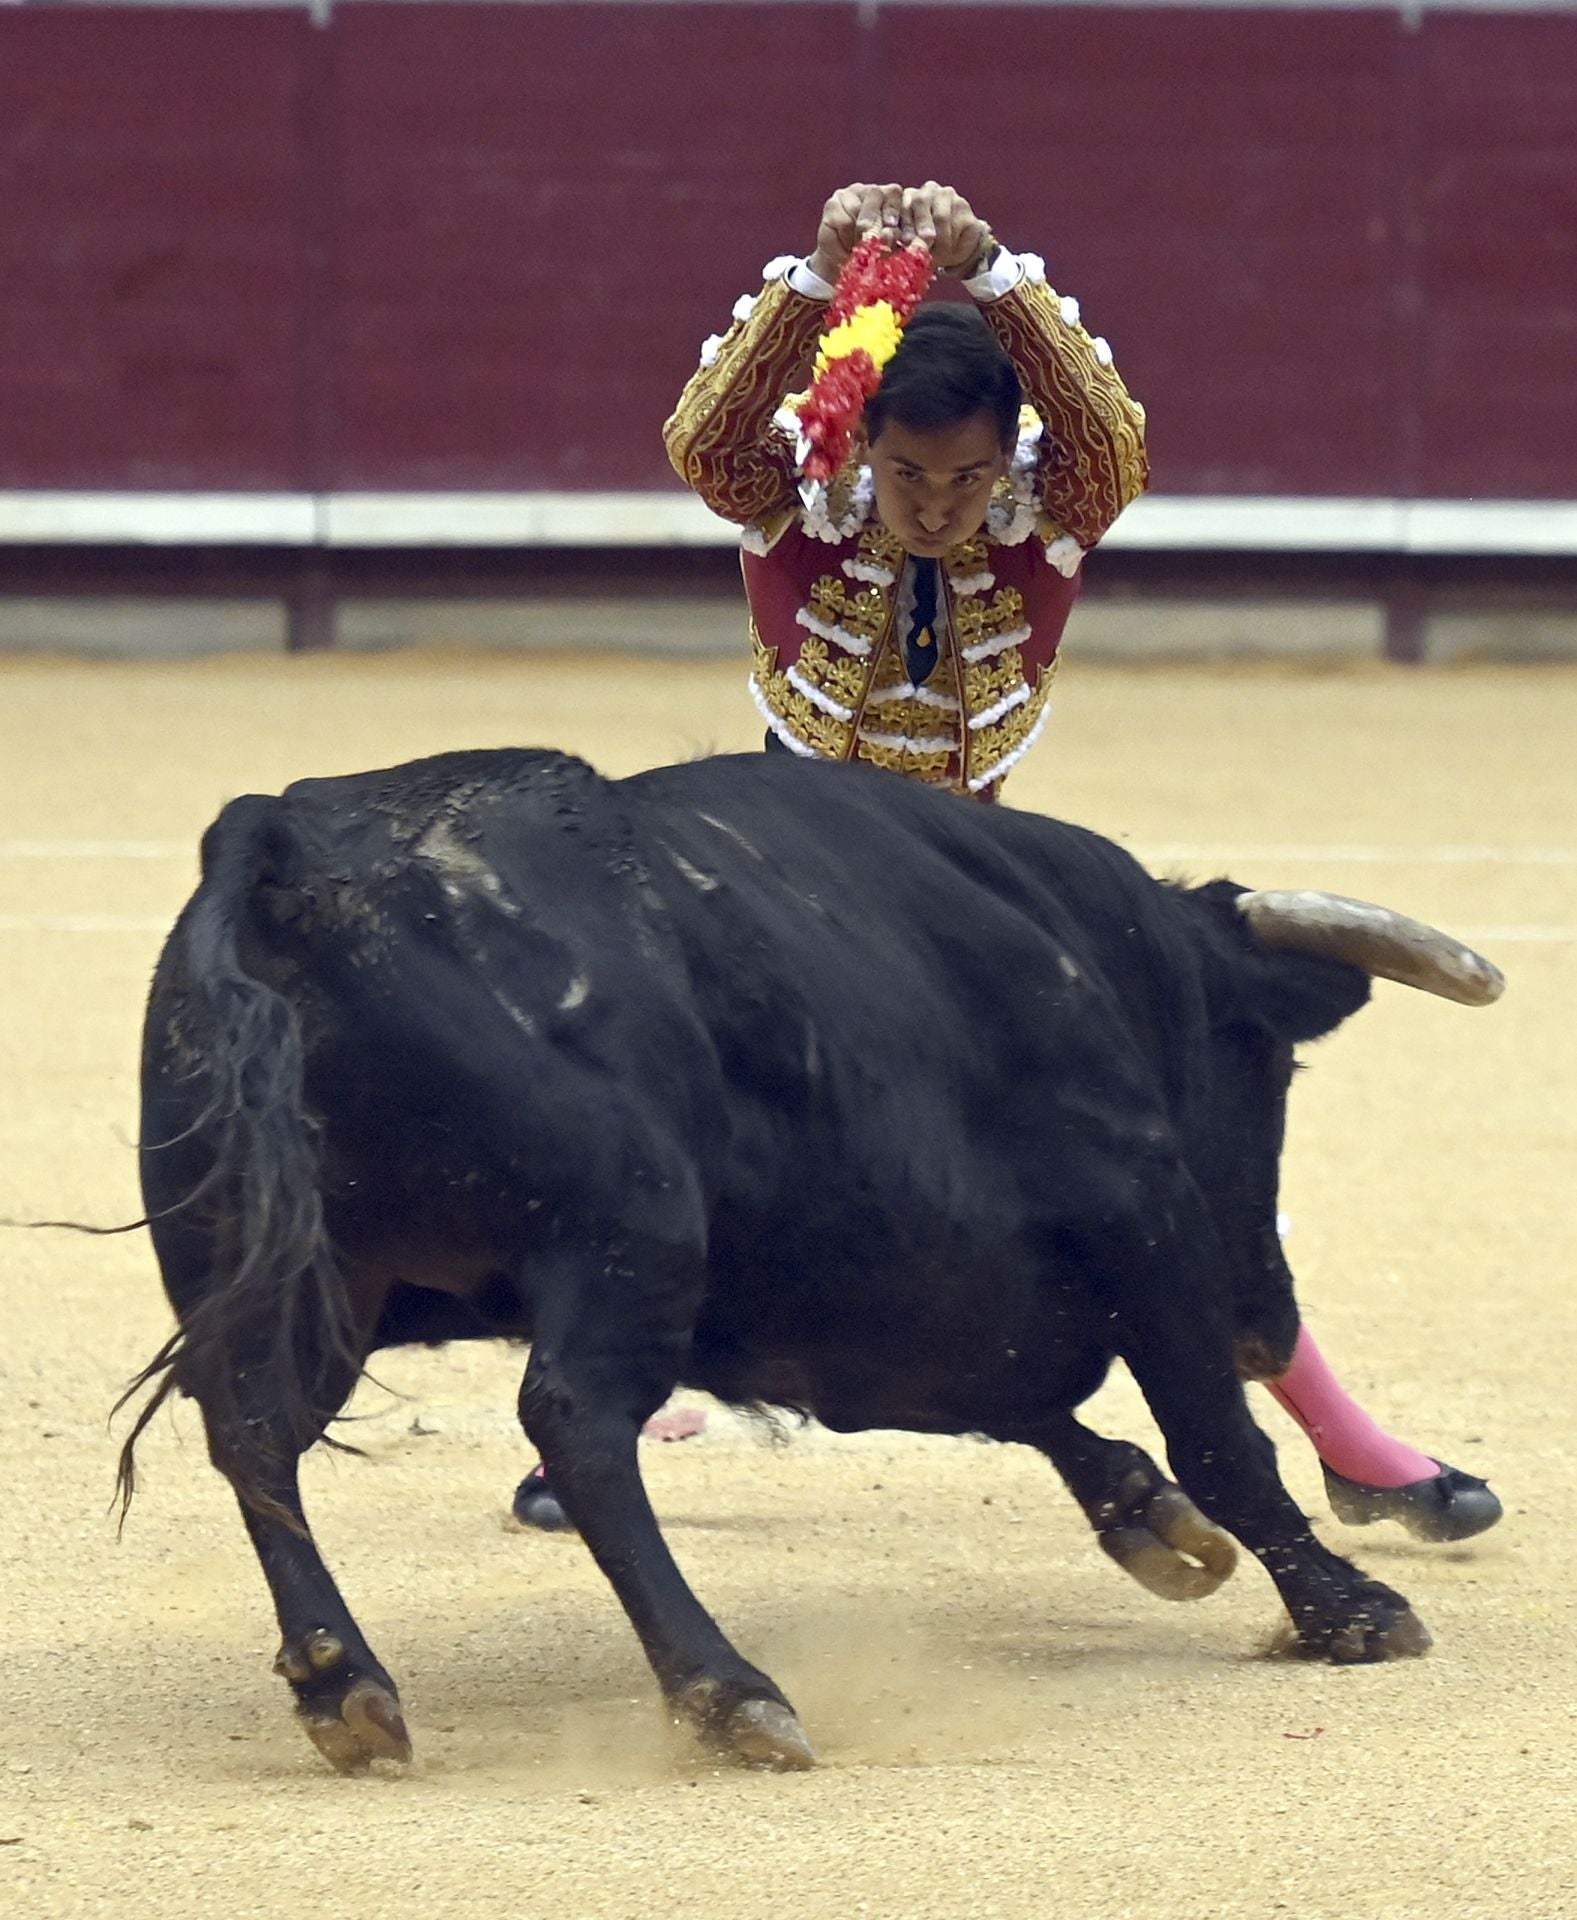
point(874, 300)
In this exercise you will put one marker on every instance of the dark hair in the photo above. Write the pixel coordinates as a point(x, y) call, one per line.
point(948, 367)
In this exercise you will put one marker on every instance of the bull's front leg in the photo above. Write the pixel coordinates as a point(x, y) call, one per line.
point(1176, 1335)
point(1147, 1525)
point(608, 1338)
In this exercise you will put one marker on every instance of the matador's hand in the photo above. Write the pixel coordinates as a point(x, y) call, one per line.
point(947, 224)
point(848, 216)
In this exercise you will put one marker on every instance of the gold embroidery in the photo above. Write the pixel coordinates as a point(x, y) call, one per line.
point(987, 681)
point(912, 719)
point(890, 670)
point(884, 732)
point(1095, 463)
point(818, 729)
point(840, 494)
point(842, 677)
point(930, 767)
point(976, 619)
point(765, 534)
point(992, 745)
point(972, 557)
point(720, 438)
point(861, 611)
point(879, 548)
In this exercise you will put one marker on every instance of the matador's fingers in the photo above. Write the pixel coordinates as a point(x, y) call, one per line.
point(919, 220)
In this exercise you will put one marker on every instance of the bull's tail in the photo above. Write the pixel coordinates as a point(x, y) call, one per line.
point(269, 1347)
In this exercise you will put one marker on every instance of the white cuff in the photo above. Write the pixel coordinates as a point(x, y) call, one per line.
point(802, 280)
point(1002, 276)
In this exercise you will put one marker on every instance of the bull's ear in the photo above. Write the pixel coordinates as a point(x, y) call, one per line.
point(1378, 940)
point(1301, 997)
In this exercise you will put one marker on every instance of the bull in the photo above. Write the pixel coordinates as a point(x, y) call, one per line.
point(793, 1082)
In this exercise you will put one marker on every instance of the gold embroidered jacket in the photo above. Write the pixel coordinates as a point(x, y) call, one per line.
point(821, 571)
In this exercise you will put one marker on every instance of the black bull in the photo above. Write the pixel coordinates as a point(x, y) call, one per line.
point(797, 1083)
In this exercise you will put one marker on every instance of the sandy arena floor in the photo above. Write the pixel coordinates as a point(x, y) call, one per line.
point(1007, 1725)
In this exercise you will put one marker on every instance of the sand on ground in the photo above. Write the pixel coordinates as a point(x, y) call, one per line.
point(1007, 1726)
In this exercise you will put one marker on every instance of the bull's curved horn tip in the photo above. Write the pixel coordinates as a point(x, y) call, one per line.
point(1378, 939)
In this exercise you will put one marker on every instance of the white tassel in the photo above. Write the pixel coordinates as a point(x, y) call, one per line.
point(1065, 554)
point(1010, 522)
point(817, 519)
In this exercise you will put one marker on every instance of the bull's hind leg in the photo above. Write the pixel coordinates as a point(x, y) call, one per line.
point(1177, 1337)
point(344, 1698)
point(1148, 1526)
point(608, 1339)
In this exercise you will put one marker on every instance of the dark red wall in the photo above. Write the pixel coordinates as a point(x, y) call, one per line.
point(152, 277)
point(472, 246)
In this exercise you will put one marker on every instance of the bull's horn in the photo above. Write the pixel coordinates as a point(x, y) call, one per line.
point(1377, 939)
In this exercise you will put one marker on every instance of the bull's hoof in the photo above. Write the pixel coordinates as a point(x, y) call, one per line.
point(352, 1719)
point(1450, 1505)
point(1381, 1627)
point(364, 1726)
point(762, 1733)
point(1362, 1642)
point(1170, 1548)
point(535, 1505)
point(754, 1731)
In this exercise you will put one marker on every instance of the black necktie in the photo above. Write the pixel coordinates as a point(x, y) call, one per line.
point(920, 645)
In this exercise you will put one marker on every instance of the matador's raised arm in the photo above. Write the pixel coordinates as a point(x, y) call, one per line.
point(721, 438)
point(1094, 463)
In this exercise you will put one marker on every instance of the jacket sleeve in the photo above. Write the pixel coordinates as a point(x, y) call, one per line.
point(721, 438)
point(1094, 463)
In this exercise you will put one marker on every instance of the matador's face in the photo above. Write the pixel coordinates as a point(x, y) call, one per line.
point(933, 487)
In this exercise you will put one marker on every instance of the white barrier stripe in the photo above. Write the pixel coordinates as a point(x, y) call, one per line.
point(1529, 935)
point(85, 923)
point(98, 849)
point(1532, 936)
point(1155, 850)
point(1336, 854)
point(672, 517)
